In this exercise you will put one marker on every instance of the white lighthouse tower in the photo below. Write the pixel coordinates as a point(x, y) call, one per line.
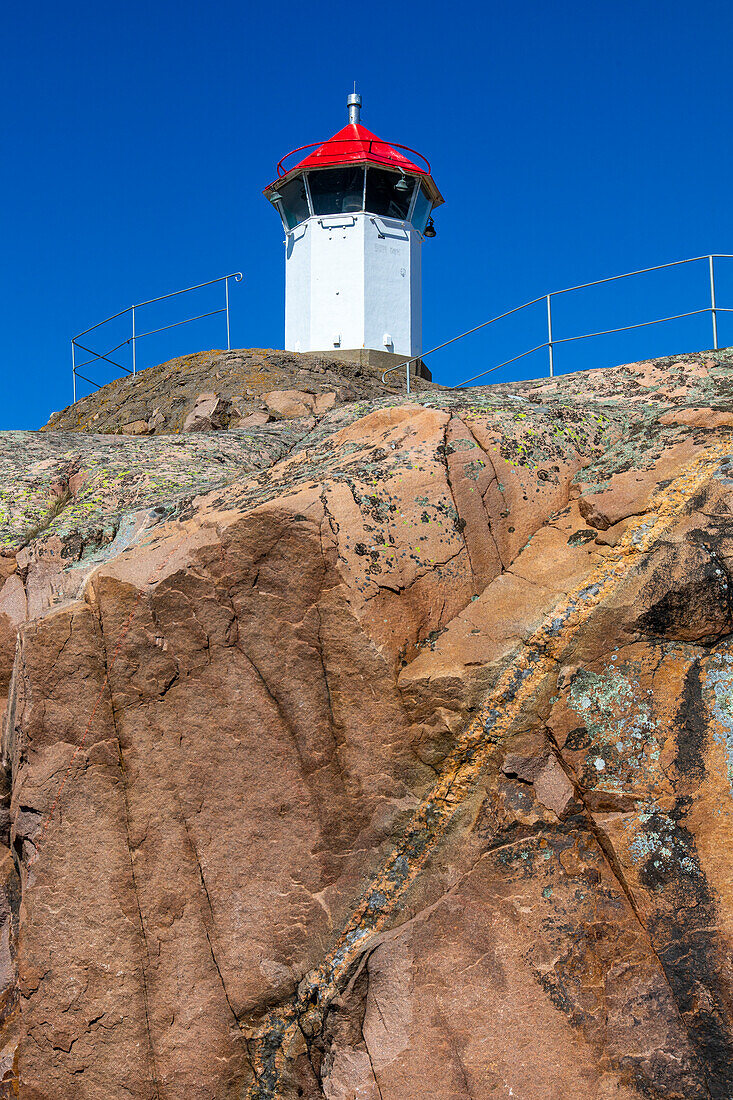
point(355, 211)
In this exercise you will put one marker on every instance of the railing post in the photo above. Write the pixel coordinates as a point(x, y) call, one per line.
point(134, 360)
point(73, 368)
point(549, 336)
point(226, 294)
point(713, 312)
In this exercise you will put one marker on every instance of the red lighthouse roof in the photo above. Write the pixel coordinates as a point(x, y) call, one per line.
point(354, 144)
point(357, 145)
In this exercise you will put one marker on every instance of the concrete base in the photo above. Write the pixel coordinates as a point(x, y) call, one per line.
point(379, 360)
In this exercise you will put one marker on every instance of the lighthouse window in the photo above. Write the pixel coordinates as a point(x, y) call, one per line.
point(294, 202)
point(421, 211)
point(388, 193)
point(337, 190)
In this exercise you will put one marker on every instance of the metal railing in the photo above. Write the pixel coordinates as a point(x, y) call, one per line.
point(355, 144)
point(552, 341)
point(134, 336)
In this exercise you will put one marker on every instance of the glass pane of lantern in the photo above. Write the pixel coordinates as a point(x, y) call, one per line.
point(337, 190)
point(421, 213)
point(384, 197)
point(294, 201)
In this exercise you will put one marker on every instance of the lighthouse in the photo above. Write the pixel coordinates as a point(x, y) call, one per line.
point(356, 211)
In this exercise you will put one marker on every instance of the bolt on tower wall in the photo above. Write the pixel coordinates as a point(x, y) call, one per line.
point(355, 211)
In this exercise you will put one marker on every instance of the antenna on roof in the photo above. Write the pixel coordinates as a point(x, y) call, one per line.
point(354, 105)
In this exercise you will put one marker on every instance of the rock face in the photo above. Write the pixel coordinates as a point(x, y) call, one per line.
point(210, 413)
point(234, 386)
point(382, 753)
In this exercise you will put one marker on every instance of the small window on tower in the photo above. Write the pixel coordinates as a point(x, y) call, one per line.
point(423, 206)
point(294, 202)
point(388, 193)
point(337, 190)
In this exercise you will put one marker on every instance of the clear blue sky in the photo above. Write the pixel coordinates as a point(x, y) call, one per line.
point(571, 140)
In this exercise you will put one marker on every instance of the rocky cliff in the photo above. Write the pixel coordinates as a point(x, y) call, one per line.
point(383, 753)
point(217, 390)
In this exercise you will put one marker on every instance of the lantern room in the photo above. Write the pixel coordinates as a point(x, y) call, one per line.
point(355, 211)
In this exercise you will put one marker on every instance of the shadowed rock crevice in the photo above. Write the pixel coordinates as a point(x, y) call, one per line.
point(656, 941)
point(689, 593)
point(685, 942)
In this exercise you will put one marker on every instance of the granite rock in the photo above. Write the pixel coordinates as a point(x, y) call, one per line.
point(161, 398)
point(383, 752)
point(209, 414)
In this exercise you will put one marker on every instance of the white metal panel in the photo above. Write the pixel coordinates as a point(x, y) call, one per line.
point(416, 243)
point(388, 275)
point(298, 289)
point(351, 279)
point(337, 281)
